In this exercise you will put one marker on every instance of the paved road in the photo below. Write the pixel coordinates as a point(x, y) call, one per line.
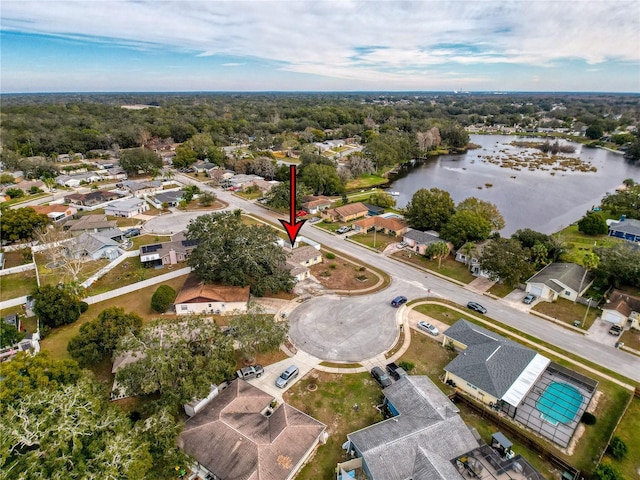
point(414, 284)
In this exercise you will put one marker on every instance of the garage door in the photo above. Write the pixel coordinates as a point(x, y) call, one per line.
point(537, 291)
point(610, 317)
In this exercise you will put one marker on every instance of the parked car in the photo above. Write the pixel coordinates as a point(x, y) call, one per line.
point(427, 327)
point(398, 301)
point(343, 229)
point(382, 378)
point(315, 219)
point(476, 307)
point(529, 298)
point(395, 371)
point(301, 213)
point(286, 376)
point(254, 371)
point(132, 232)
point(615, 330)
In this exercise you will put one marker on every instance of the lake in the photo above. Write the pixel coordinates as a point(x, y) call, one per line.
point(543, 200)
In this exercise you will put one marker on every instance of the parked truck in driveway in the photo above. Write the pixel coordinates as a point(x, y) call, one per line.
point(254, 371)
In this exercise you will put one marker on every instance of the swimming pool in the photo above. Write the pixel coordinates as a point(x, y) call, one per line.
point(559, 403)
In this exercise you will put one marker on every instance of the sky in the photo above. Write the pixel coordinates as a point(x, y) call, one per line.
point(300, 45)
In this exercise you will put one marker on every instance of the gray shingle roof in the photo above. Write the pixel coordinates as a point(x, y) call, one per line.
point(490, 362)
point(569, 274)
point(420, 442)
point(629, 225)
point(422, 238)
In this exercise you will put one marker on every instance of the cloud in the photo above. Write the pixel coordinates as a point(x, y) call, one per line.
point(352, 40)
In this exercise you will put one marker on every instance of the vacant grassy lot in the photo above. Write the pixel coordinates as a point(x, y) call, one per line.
point(17, 284)
point(138, 302)
point(578, 244)
point(340, 274)
point(500, 290)
point(566, 311)
point(332, 403)
point(14, 259)
point(449, 267)
point(366, 181)
point(378, 240)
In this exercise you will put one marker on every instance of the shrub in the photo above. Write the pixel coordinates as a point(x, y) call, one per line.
point(333, 266)
point(588, 418)
point(162, 298)
point(84, 306)
point(406, 366)
point(606, 471)
point(330, 255)
point(617, 448)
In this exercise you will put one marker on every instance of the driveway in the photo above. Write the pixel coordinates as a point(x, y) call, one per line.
point(599, 332)
point(171, 223)
point(346, 329)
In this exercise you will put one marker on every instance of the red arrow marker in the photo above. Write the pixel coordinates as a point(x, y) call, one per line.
point(291, 226)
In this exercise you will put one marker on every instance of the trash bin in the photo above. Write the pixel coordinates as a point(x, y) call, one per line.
point(576, 323)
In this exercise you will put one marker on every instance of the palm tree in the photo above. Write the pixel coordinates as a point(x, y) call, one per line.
point(469, 249)
point(439, 250)
point(49, 182)
point(168, 174)
point(589, 262)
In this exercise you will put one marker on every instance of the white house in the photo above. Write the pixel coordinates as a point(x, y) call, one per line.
point(127, 208)
point(560, 280)
point(197, 297)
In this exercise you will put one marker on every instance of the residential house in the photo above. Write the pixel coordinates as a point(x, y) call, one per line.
point(421, 439)
point(91, 223)
point(13, 319)
point(167, 253)
point(91, 199)
point(263, 185)
point(74, 181)
point(470, 254)
point(239, 434)
point(626, 228)
point(58, 213)
point(127, 208)
point(346, 213)
point(517, 381)
point(237, 182)
point(388, 225)
point(140, 188)
point(622, 308)
point(93, 246)
point(314, 204)
point(197, 297)
point(300, 259)
point(171, 198)
point(420, 241)
point(202, 166)
point(373, 209)
point(560, 280)
point(27, 185)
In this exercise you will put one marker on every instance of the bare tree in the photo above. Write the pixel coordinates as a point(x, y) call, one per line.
point(61, 249)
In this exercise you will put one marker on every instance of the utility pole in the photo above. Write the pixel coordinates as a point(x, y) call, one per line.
point(587, 312)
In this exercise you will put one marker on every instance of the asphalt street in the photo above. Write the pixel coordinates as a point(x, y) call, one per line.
point(414, 283)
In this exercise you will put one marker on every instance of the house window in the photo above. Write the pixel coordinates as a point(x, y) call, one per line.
point(184, 308)
point(567, 293)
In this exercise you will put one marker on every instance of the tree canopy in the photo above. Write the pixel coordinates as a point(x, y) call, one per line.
point(257, 332)
point(322, 179)
point(593, 223)
point(618, 265)
point(56, 305)
point(466, 226)
point(140, 159)
point(486, 210)
point(507, 261)
point(429, 209)
point(178, 359)
point(233, 253)
point(21, 223)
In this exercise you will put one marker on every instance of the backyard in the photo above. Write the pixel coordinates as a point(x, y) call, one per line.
point(17, 284)
point(376, 240)
point(577, 244)
point(449, 267)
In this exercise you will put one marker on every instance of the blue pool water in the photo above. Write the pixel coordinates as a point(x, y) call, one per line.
point(559, 403)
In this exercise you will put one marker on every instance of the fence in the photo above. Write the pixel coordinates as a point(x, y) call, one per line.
point(96, 276)
point(511, 430)
point(20, 268)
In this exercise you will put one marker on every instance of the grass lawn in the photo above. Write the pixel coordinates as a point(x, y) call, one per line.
point(332, 404)
point(449, 267)
point(567, 312)
point(329, 226)
point(628, 431)
point(631, 339)
point(125, 222)
point(15, 259)
point(578, 244)
point(340, 274)
point(138, 302)
point(128, 272)
point(148, 240)
point(362, 196)
point(250, 195)
point(378, 240)
point(17, 284)
point(365, 181)
point(56, 275)
point(500, 290)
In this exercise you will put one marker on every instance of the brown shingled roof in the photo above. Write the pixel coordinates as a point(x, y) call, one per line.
point(351, 209)
point(195, 291)
point(394, 224)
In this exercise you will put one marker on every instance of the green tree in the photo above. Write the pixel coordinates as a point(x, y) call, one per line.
point(280, 195)
point(619, 265)
point(626, 202)
point(234, 253)
point(506, 260)
point(21, 223)
point(185, 156)
point(429, 209)
point(99, 338)
point(55, 305)
point(593, 223)
point(9, 334)
point(382, 199)
point(179, 360)
point(589, 262)
point(606, 471)
point(163, 298)
point(6, 178)
point(139, 159)
point(633, 151)
point(257, 332)
point(189, 192)
point(14, 193)
point(464, 226)
point(27, 374)
point(486, 210)
point(594, 131)
point(206, 199)
point(617, 448)
point(470, 249)
point(439, 250)
point(322, 179)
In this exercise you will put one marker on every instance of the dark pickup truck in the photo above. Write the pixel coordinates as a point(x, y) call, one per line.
point(254, 371)
point(395, 371)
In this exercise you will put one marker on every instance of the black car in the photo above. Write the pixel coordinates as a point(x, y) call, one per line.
point(395, 371)
point(398, 301)
point(382, 378)
point(476, 307)
point(132, 232)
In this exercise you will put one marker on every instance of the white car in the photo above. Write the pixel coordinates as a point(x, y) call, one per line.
point(427, 327)
point(344, 229)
